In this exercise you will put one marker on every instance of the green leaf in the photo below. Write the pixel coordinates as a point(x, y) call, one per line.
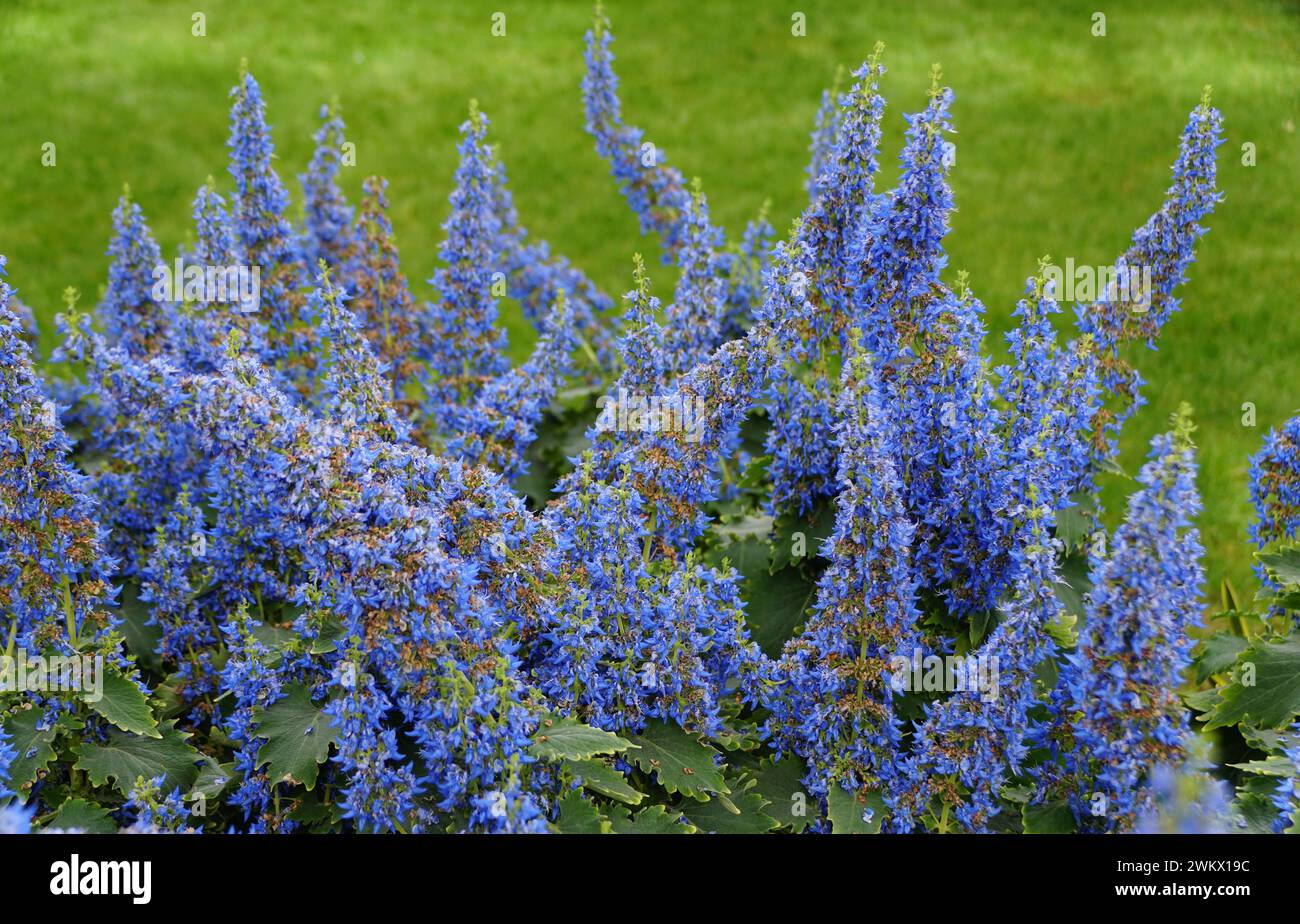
point(654, 819)
point(1217, 654)
point(1262, 739)
point(1201, 701)
point(1271, 766)
point(815, 528)
point(312, 813)
point(748, 556)
point(298, 736)
point(1073, 585)
point(80, 815)
point(1257, 811)
point(752, 527)
point(604, 780)
point(780, 782)
point(1283, 565)
point(1074, 523)
point(274, 637)
point(579, 816)
point(845, 810)
point(1048, 818)
point(141, 639)
point(1111, 467)
point(213, 779)
point(125, 757)
point(569, 739)
point(1063, 628)
point(124, 705)
point(741, 814)
point(680, 761)
point(33, 748)
point(774, 607)
point(1274, 699)
point(167, 700)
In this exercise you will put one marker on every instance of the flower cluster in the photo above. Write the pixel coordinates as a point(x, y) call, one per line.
point(1117, 699)
point(373, 577)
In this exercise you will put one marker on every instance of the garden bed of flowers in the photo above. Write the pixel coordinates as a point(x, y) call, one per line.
point(777, 549)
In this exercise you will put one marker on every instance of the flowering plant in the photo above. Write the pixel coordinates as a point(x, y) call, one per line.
point(783, 552)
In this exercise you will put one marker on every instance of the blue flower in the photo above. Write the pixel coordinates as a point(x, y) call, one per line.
point(328, 234)
point(1164, 247)
point(462, 346)
point(1118, 712)
point(133, 318)
point(834, 705)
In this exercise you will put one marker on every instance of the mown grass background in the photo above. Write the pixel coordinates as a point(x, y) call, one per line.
point(1064, 146)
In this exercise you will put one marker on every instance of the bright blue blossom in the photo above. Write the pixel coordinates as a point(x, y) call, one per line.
point(267, 238)
point(132, 317)
point(329, 234)
point(463, 346)
point(535, 276)
point(54, 571)
point(834, 706)
point(379, 294)
point(506, 412)
point(1163, 248)
point(1118, 710)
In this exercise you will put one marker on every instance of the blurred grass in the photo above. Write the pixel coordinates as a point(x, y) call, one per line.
point(1064, 146)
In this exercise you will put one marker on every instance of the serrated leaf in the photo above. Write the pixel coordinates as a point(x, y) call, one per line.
point(579, 816)
point(1201, 701)
point(80, 815)
point(1256, 811)
point(757, 527)
point(1048, 818)
point(141, 639)
point(781, 784)
point(569, 739)
point(739, 814)
point(32, 747)
point(846, 811)
point(1271, 766)
point(298, 736)
point(1073, 585)
point(679, 761)
point(654, 819)
point(1074, 523)
point(124, 757)
point(1063, 630)
point(122, 703)
point(1282, 565)
point(775, 606)
point(1274, 700)
point(213, 779)
point(1217, 654)
point(1262, 739)
point(605, 780)
point(745, 737)
point(815, 529)
point(748, 556)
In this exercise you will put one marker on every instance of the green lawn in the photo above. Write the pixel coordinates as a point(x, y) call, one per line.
point(1064, 146)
